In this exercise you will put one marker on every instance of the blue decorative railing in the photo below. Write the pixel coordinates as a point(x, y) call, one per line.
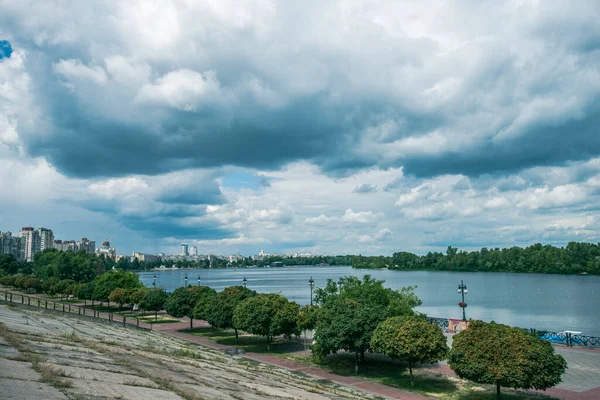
point(566, 338)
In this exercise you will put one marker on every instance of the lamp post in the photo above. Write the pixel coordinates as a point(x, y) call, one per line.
point(154, 281)
point(311, 283)
point(462, 289)
point(244, 281)
point(199, 281)
point(185, 280)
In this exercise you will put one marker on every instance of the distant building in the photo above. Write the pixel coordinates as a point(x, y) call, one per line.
point(143, 257)
point(107, 251)
point(66, 245)
point(30, 243)
point(184, 250)
point(46, 239)
point(194, 251)
point(10, 244)
point(85, 244)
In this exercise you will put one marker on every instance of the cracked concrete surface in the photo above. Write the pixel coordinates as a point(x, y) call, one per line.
point(45, 356)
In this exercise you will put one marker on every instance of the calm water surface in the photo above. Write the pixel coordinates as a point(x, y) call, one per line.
point(550, 302)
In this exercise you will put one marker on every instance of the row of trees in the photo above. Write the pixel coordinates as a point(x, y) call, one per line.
point(361, 316)
point(575, 258)
point(352, 315)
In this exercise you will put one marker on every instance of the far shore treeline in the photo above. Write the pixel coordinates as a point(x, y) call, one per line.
point(574, 258)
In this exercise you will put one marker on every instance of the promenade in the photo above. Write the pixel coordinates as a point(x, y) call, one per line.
point(581, 381)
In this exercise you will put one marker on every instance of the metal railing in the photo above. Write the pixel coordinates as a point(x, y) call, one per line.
point(566, 338)
point(84, 311)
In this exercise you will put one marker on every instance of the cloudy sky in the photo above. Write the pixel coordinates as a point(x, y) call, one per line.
point(312, 126)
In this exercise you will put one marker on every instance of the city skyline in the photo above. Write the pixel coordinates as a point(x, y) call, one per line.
point(325, 128)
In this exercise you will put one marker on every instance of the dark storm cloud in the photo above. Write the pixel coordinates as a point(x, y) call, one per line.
point(192, 195)
point(162, 227)
point(539, 146)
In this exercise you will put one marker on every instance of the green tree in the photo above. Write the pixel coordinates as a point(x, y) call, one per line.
point(500, 355)
point(119, 296)
point(307, 318)
point(411, 339)
point(220, 311)
point(182, 302)
point(154, 300)
point(32, 283)
point(62, 287)
point(48, 285)
point(267, 315)
point(135, 296)
point(204, 296)
point(358, 306)
point(111, 280)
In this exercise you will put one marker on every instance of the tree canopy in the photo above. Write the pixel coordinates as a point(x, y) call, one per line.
point(411, 339)
point(498, 354)
point(220, 311)
point(575, 258)
point(267, 315)
point(351, 310)
point(154, 300)
point(111, 280)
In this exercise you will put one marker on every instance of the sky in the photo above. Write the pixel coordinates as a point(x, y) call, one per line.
point(316, 126)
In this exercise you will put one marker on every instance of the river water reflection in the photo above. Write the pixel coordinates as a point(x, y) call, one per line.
point(550, 302)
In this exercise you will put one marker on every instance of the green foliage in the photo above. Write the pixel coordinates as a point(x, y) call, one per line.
point(575, 258)
point(505, 356)
point(63, 286)
point(410, 339)
point(220, 311)
point(32, 284)
point(203, 297)
point(81, 267)
point(154, 300)
point(136, 295)
point(307, 319)
point(180, 304)
point(9, 264)
point(49, 284)
point(267, 315)
point(351, 310)
point(8, 280)
point(119, 296)
point(111, 280)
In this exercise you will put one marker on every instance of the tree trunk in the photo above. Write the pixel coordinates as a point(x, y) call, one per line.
point(191, 322)
point(356, 363)
point(155, 315)
point(108, 305)
point(362, 355)
point(412, 382)
point(212, 332)
point(268, 344)
point(498, 397)
point(236, 336)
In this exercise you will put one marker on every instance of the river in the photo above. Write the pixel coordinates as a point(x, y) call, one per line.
point(548, 302)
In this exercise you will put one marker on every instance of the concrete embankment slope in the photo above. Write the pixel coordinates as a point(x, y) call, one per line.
point(48, 356)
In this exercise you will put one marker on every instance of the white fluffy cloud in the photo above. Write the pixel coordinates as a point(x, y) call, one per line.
point(350, 126)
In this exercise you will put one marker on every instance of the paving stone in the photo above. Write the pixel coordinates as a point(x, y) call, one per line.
point(12, 389)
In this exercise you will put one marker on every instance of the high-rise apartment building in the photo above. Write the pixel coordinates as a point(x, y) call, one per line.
point(30, 243)
point(10, 244)
point(88, 245)
point(46, 240)
point(184, 250)
point(194, 251)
